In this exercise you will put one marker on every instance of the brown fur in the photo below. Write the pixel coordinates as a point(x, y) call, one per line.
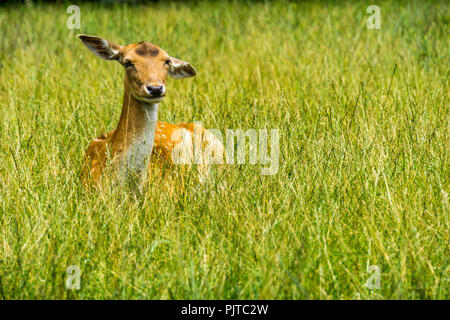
point(146, 49)
point(148, 67)
point(97, 151)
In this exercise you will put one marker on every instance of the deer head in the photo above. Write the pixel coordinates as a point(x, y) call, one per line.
point(146, 66)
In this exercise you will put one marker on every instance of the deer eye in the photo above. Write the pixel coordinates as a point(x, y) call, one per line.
point(128, 64)
point(167, 62)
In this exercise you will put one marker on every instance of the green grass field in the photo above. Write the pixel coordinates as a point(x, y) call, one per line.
point(363, 173)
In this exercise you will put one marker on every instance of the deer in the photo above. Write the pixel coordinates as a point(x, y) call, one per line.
point(139, 139)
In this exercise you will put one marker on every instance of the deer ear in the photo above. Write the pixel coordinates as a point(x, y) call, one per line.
point(180, 69)
point(101, 47)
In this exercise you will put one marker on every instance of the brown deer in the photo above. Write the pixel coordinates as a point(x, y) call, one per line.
point(139, 137)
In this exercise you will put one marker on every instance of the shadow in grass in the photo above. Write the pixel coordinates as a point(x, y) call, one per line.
point(140, 2)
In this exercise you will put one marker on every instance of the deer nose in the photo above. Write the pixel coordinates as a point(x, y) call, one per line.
point(155, 91)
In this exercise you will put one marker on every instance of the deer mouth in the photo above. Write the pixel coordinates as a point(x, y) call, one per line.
point(150, 99)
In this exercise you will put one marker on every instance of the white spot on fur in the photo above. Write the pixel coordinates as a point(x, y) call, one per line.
point(138, 154)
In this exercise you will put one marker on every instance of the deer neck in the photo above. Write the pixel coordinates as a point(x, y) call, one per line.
point(132, 141)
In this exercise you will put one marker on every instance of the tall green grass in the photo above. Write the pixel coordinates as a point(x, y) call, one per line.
point(364, 141)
